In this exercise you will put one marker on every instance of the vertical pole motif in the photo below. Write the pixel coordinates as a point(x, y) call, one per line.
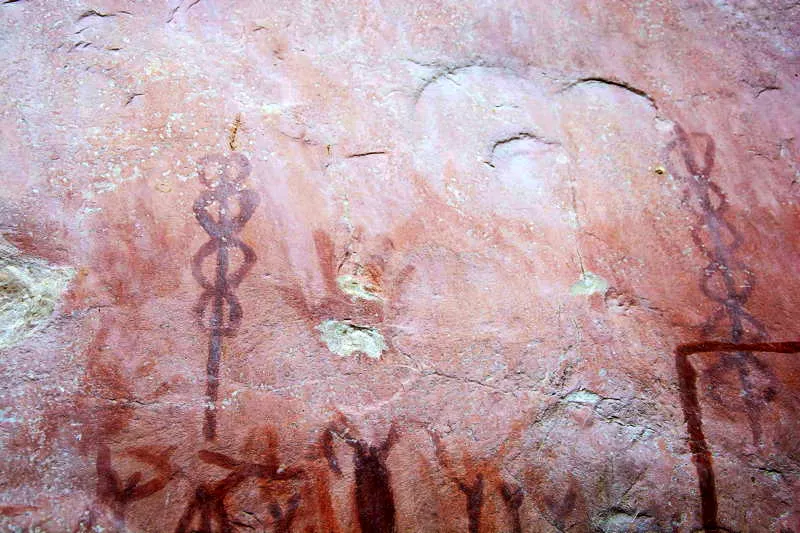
point(726, 280)
point(223, 176)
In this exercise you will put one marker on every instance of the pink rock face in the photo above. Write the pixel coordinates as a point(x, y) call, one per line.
point(399, 266)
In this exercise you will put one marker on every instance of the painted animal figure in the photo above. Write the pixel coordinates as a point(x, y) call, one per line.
point(373, 488)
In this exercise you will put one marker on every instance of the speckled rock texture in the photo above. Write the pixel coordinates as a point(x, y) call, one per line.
point(434, 266)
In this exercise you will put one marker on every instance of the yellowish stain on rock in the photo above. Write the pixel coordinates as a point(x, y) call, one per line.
point(357, 288)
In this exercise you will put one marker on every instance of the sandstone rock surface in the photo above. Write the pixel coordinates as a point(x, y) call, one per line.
point(399, 266)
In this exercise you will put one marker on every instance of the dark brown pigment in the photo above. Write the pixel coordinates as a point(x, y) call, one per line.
point(472, 491)
point(206, 512)
point(701, 454)
point(474, 494)
point(373, 488)
point(726, 280)
point(512, 497)
point(225, 185)
point(115, 494)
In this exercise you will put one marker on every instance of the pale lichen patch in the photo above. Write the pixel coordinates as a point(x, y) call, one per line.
point(614, 521)
point(345, 339)
point(29, 291)
point(357, 288)
point(582, 396)
point(588, 284)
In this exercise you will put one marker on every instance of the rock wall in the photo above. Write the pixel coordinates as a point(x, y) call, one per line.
point(399, 266)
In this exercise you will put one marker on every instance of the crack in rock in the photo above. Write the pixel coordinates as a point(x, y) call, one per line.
point(610, 82)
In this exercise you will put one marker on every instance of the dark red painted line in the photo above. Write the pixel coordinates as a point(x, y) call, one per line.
point(223, 231)
point(687, 381)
